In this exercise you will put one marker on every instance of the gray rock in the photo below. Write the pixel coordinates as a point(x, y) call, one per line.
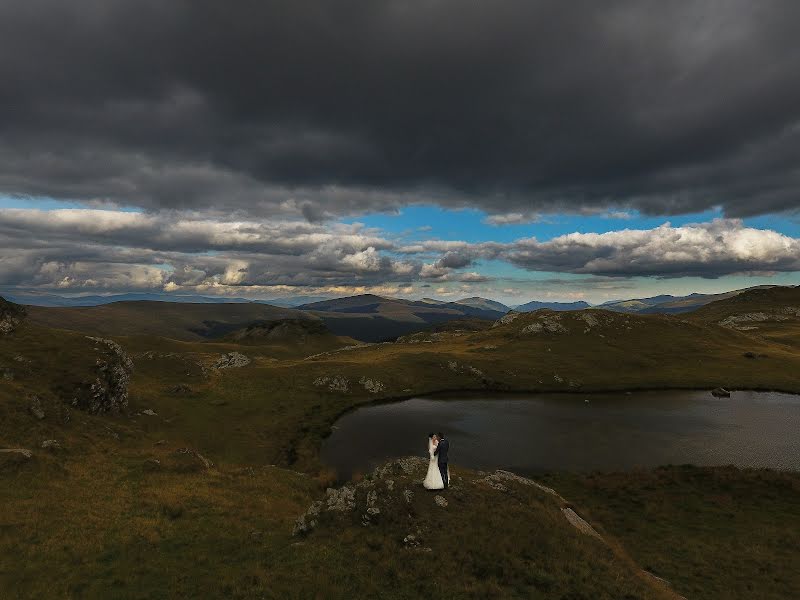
point(11, 315)
point(337, 383)
point(373, 386)
point(306, 522)
point(24, 452)
point(341, 500)
point(35, 408)
point(440, 501)
point(578, 523)
point(231, 360)
point(548, 323)
point(149, 412)
point(51, 445)
point(109, 391)
point(506, 319)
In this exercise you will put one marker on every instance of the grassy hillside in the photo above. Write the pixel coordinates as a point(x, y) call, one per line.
point(165, 319)
point(667, 304)
point(194, 490)
point(768, 314)
point(376, 319)
point(712, 532)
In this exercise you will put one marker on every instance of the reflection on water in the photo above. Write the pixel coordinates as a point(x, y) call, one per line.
point(540, 432)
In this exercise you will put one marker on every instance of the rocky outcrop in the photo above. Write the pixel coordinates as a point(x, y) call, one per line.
point(373, 386)
point(430, 337)
point(456, 367)
point(11, 315)
point(545, 323)
point(748, 321)
point(35, 407)
point(20, 451)
point(335, 383)
point(340, 383)
point(109, 391)
point(578, 523)
point(386, 494)
point(231, 360)
point(366, 498)
point(507, 318)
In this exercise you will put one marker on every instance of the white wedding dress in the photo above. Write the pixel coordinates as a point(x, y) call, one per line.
point(433, 480)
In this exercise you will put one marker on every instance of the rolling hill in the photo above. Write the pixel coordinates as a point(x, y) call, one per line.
point(188, 322)
point(484, 304)
point(668, 304)
point(375, 318)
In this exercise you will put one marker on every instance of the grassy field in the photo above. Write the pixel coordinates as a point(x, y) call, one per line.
point(193, 491)
point(712, 532)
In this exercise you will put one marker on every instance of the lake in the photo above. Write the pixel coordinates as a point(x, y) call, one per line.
point(529, 434)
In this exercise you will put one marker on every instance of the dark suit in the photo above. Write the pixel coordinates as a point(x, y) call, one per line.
point(441, 455)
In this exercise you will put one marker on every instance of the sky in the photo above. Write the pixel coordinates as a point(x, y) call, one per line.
point(515, 150)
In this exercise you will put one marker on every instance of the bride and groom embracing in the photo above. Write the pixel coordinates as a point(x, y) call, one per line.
point(438, 476)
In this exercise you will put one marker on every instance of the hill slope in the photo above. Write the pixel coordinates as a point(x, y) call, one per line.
point(374, 318)
point(197, 486)
point(668, 304)
point(763, 313)
point(484, 303)
point(166, 319)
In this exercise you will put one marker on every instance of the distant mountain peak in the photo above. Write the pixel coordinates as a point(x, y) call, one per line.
point(537, 304)
point(483, 303)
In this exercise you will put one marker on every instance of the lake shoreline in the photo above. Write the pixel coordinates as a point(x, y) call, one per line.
point(443, 395)
point(571, 431)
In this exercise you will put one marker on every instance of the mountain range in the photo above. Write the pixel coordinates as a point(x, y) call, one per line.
point(664, 304)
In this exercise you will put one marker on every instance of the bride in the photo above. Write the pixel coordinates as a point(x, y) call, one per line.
point(433, 480)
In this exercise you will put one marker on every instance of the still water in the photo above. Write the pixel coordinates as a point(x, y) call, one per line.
point(541, 432)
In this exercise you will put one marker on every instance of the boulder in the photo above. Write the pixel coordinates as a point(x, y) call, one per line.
point(340, 500)
point(11, 315)
point(507, 318)
point(231, 360)
point(35, 407)
point(109, 391)
point(336, 383)
point(373, 386)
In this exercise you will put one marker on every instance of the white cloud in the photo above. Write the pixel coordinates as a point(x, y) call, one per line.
point(514, 218)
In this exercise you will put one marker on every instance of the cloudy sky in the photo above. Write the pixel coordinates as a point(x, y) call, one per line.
point(511, 149)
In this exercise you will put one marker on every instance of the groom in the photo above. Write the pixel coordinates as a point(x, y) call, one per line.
point(441, 454)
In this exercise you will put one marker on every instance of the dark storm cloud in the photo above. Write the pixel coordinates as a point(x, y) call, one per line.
point(325, 108)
